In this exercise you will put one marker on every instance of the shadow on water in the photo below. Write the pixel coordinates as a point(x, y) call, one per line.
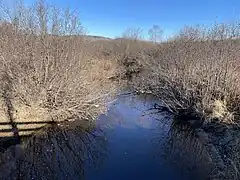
point(10, 136)
point(53, 153)
point(184, 151)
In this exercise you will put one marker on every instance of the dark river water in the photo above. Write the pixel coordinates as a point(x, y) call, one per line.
point(142, 144)
point(131, 141)
point(134, 139)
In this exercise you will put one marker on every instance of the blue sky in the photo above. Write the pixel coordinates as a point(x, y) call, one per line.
point(110, 18)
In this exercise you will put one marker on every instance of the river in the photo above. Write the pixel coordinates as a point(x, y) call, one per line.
point(130, 141)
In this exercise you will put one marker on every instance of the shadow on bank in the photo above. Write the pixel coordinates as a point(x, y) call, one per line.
point(14, 133)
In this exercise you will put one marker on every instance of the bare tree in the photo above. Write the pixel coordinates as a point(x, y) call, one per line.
point(155, 34)
point(42, 16)
point(40, 48)
point(192, 33)
point(133, 34)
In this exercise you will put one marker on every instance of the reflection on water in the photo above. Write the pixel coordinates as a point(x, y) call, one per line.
point(131, 141)
point(54, 153)
point(136, 142)
point(185, 151)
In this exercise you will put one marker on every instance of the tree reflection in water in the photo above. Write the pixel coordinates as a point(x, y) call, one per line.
point(186, 152)
point(53, 153)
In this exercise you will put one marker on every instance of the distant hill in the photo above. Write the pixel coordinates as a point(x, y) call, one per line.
point(96, 38)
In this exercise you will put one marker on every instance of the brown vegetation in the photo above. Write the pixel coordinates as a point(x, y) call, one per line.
point(195, 74)
point(46, 74)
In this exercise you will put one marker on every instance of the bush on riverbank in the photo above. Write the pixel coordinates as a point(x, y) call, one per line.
point(196, 73)
point(45, 72)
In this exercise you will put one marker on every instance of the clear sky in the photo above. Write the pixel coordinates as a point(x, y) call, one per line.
point(110, 18)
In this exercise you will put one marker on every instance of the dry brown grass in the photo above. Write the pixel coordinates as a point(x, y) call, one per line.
point(48, 76)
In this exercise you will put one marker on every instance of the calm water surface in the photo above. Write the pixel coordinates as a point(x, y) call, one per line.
point(135, 142)
point(131, 141)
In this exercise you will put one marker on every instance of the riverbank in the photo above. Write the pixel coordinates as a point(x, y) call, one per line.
point(50, 77)
point(196, 76)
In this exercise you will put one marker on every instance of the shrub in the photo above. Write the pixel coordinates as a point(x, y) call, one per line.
point(196, 72)
point(45, 74)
